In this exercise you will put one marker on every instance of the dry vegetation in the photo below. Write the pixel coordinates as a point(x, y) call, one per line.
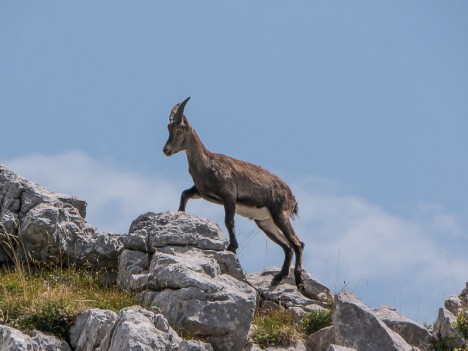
point(49, 299)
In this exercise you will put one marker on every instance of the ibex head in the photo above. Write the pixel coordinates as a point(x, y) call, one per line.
point(178, 130)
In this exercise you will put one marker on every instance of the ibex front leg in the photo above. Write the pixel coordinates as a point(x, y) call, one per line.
point(230, 212)
point(187, 195)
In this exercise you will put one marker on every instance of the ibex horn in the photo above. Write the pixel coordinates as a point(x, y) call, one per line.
point(180, 111)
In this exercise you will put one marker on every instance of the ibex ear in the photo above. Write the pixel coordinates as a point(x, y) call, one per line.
point(177, 117)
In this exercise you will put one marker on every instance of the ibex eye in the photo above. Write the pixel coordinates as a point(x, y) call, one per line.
point(179, 132)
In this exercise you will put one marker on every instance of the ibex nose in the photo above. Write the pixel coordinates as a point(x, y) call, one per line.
point(167, 151)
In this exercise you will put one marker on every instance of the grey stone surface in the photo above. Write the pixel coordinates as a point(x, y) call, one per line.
point(221, 313)
point(414, 333)
point(321, 339)
point(315, 295)
point(178, 264)
point(175, 263)
point(356, 326)
point(90, 328)
point(14, 340)
point(444, 328)
point(137, 329)
point(43, 342)
point(456, 304)
point(339, 348)
point(47, 226)
point(194, 345)
point(151, 231)
point(133, 270)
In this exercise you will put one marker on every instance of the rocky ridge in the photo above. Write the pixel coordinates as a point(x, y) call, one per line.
point(188, 284)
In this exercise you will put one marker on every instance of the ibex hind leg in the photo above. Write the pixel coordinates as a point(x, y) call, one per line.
point(284, 224)
point(269, 227)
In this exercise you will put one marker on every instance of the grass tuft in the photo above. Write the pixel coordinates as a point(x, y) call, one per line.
point(275, 328)
point(50, 299)
point(316, 320)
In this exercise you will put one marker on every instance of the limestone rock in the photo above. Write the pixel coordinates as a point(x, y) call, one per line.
point(151, 231)
point(194, 345)
point(43, 342)
point(444, 328)
point(47, 226)
point(137, 329)
point(321, 339)
point(356, 326)
point(14, 340)
point(178, 265)
point(315, 295)
point(90, 328)
point(414, 333)
point(456, 304)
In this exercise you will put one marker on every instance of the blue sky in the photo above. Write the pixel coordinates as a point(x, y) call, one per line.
point(362, 107)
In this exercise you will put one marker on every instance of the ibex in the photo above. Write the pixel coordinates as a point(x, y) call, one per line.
point(240, 187)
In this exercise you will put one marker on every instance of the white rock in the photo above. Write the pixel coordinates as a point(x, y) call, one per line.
point(137, 329)
point(356, 326)
point(14, 340)
point(414, 333)
point(444, 327)
point(50, 226)
point(90, 328)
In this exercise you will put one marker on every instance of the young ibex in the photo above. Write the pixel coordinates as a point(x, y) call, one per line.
point(240, 187)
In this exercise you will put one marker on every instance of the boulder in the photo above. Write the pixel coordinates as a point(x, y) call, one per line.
point(43, 342)
point(444, 328)
point(414, 333)
point(90, 328)
point(151, 231)
point(314, 295)
point(456, 304)
point(14, 340)
point(137, 329)
point(178, 264)
point(356, 326)
point(321, 339)
point(50, 227)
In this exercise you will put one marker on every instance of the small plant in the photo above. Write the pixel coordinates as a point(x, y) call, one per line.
point(445, 344)
point(462, 324)
point(315, 320)
point(51, 317)
point(275, 328)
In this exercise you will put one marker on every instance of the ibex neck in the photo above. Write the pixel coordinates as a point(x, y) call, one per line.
point(197, 154)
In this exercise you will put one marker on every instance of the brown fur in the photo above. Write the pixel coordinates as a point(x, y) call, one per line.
point(229, 182)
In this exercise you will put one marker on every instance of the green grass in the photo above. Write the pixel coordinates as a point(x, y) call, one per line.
point(281, 328)
point(50, 299)
point(462, 324)
point(316, 320)
point(275, 328)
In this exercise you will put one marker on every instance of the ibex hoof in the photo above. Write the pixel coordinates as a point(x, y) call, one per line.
point(299, 280)
point(232, 248)
point(278, 278)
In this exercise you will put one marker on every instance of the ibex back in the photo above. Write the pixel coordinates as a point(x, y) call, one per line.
point(240, 187)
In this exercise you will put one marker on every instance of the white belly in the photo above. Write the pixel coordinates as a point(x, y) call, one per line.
point(251, 212)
